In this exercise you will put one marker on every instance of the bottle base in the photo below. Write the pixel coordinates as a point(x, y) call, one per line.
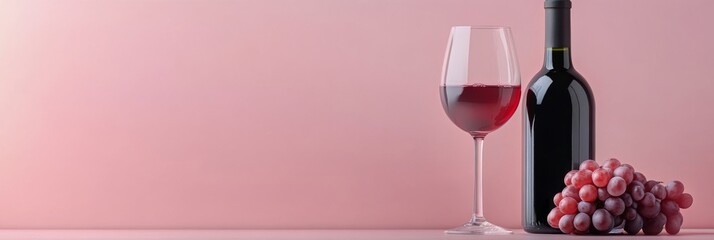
point(541, 229)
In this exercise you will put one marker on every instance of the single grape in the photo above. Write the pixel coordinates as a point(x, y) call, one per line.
point(581, 178)
point(685, 200)
point(616, 186)
point(602, 220)
point(627, 198)
point(674, 223)
point(629, 214)
point(649, 184)
point(557, 198)
point(568, 205)
point(637, 193)
point(615, 205)
point(628, 166)
point(639, 177)
point(566, 223)
point(634, 226)
point(586, 207)
point(648, 200)
point(669, 207)
point(554, 217)
point(601, 177)
point(568, 177)
point(654, 225)
point(674, 189)
point(659, 191)
point(589, 165)
point(588, 193)
point(602, 194)
point(649, 211)
point(611, 164)
point(581, 222)
point(624, 172)
point(571, 191)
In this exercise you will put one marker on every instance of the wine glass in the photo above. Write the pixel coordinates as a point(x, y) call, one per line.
point(480, 91)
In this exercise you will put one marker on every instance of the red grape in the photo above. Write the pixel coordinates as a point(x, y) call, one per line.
point(568, 205)
point(685, 200)
point(648, 200)
point(571, 191)
point(637, 191)
point(625, 173)
point(601, 177)
point(627, 199)
point(615, 205)
point(629, 214)
point(581, 222)
point(628, 166)
point(602, 220)
point(557, 198)
point(639, 177)
point(589, 165)
point(554, 217)
point(654, 225)
point(611, 164)
point(674, 189)
point(669, 207)
point(649, 211)
point(602, 194)
point(588, 193)
point(568, 177)
point(616, 186)
point(634, 226)
point(659, 191)
point(566, 223)
point(586, 207)
point(649, 184)
point(581, 178)
point(674, 223)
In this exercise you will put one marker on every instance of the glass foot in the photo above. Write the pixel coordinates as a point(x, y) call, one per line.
point(478, 226)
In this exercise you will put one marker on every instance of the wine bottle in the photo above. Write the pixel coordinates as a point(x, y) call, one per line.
point(558, 122)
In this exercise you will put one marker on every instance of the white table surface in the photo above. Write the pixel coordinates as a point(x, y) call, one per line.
point(687, 234)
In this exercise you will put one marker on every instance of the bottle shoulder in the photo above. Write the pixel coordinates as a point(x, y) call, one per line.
point(559, 83)
point(568, 78)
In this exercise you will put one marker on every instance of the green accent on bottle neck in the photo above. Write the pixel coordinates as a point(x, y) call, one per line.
point(560, 49)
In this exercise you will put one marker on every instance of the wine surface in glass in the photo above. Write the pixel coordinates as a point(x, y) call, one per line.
point(479, 109)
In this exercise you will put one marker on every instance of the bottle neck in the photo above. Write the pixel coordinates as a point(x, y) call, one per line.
point(556, 58)
point(557, 34)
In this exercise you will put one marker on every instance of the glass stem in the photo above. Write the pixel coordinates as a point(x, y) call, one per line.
point(477, 215)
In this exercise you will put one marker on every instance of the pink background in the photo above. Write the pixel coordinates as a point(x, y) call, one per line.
point(315, 113)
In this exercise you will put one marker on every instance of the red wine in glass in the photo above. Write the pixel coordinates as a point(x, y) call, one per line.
point(480, 109)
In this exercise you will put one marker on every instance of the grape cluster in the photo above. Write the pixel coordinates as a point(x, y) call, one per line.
point(597, 199)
